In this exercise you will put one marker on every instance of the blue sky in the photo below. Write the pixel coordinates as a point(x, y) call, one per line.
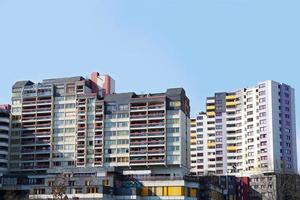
point(148, 46)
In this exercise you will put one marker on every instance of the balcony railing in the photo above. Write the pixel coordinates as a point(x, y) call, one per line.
point(156, 142)
point(137, 116)
point(138, 152)
point(138, 134)
point(155, 124)
point(156, 151)
point(138, 143)
point(138, 107)
point(29, 102)
point(138, 161)
point(156, 160)
point(156, 107)
point(156, 115)
point(156, 133)
point(44, 101)
point(138, 125)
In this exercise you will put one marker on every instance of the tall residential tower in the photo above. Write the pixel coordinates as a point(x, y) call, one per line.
point(250, 131)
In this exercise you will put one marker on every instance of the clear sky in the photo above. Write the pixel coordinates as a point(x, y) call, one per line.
point(147, 46)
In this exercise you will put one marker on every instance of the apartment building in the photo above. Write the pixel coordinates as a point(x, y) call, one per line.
point(4, 138)
point(77, 122)
point(46, 123)
point(150, 130)
point(249, 131)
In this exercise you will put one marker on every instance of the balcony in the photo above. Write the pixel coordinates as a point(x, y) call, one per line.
point(138, 134)
point(42, 150)
point(210, 114)
point(138, 152)
point(28, 125)
point(156, 159)
point(42, 166)
point(138, 108)
point(151, 116)
point(26, 134)
point(156, 107)
point(43, 110)
point(43, 133)
point(43, 125)
point(156, 151)
point(27, 157)
point(28, 110)
point(211, 108)
point(211, 145)
point(230, 97)
point(156, 133)
point(98, 126)
point(141, 142)
point(98, 111)
point(80, 129)
point(43, 141)
point(156, 142)
point(137, 117)
point(43, 118)
point(156, 124)
point(44, 102)
point(138, 125)
point(45, 157)
point(231, 103)
point(28, 150)
point(137, 161)
point(27, 142)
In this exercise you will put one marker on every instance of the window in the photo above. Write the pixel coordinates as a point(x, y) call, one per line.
point(173, 121)
point(110, 124)
point(173, 158)
point(173, 148)
point(218, 127)
point(250, 99)
point(262, 93)
point(262, 114)
point(173, 139)
point(262, 85)
point(111, 107)
point(78, 190)
point(92, 190)
point(199, 117)
point(261, 100)
point(172, 130)
point(110, 142)
point(122, 124)
point(123, 141)
point(70, 122)
point(261, 107)
point(175, 104)
point(122, 115)
point(123, 107)
point(200, 130)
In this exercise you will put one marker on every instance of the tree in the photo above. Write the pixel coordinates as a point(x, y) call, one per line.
point(59, 187)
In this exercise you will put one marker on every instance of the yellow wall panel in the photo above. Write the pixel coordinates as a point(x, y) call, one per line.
point(230, 103)
point(175, 191)
point(159, 191)
point(144, 191)
point(210, 113)
point(230, 97)
point(193, 192)
point(165, 191)
point(231, 148)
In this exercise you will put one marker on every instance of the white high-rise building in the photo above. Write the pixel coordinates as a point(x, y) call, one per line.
point(250, 131)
